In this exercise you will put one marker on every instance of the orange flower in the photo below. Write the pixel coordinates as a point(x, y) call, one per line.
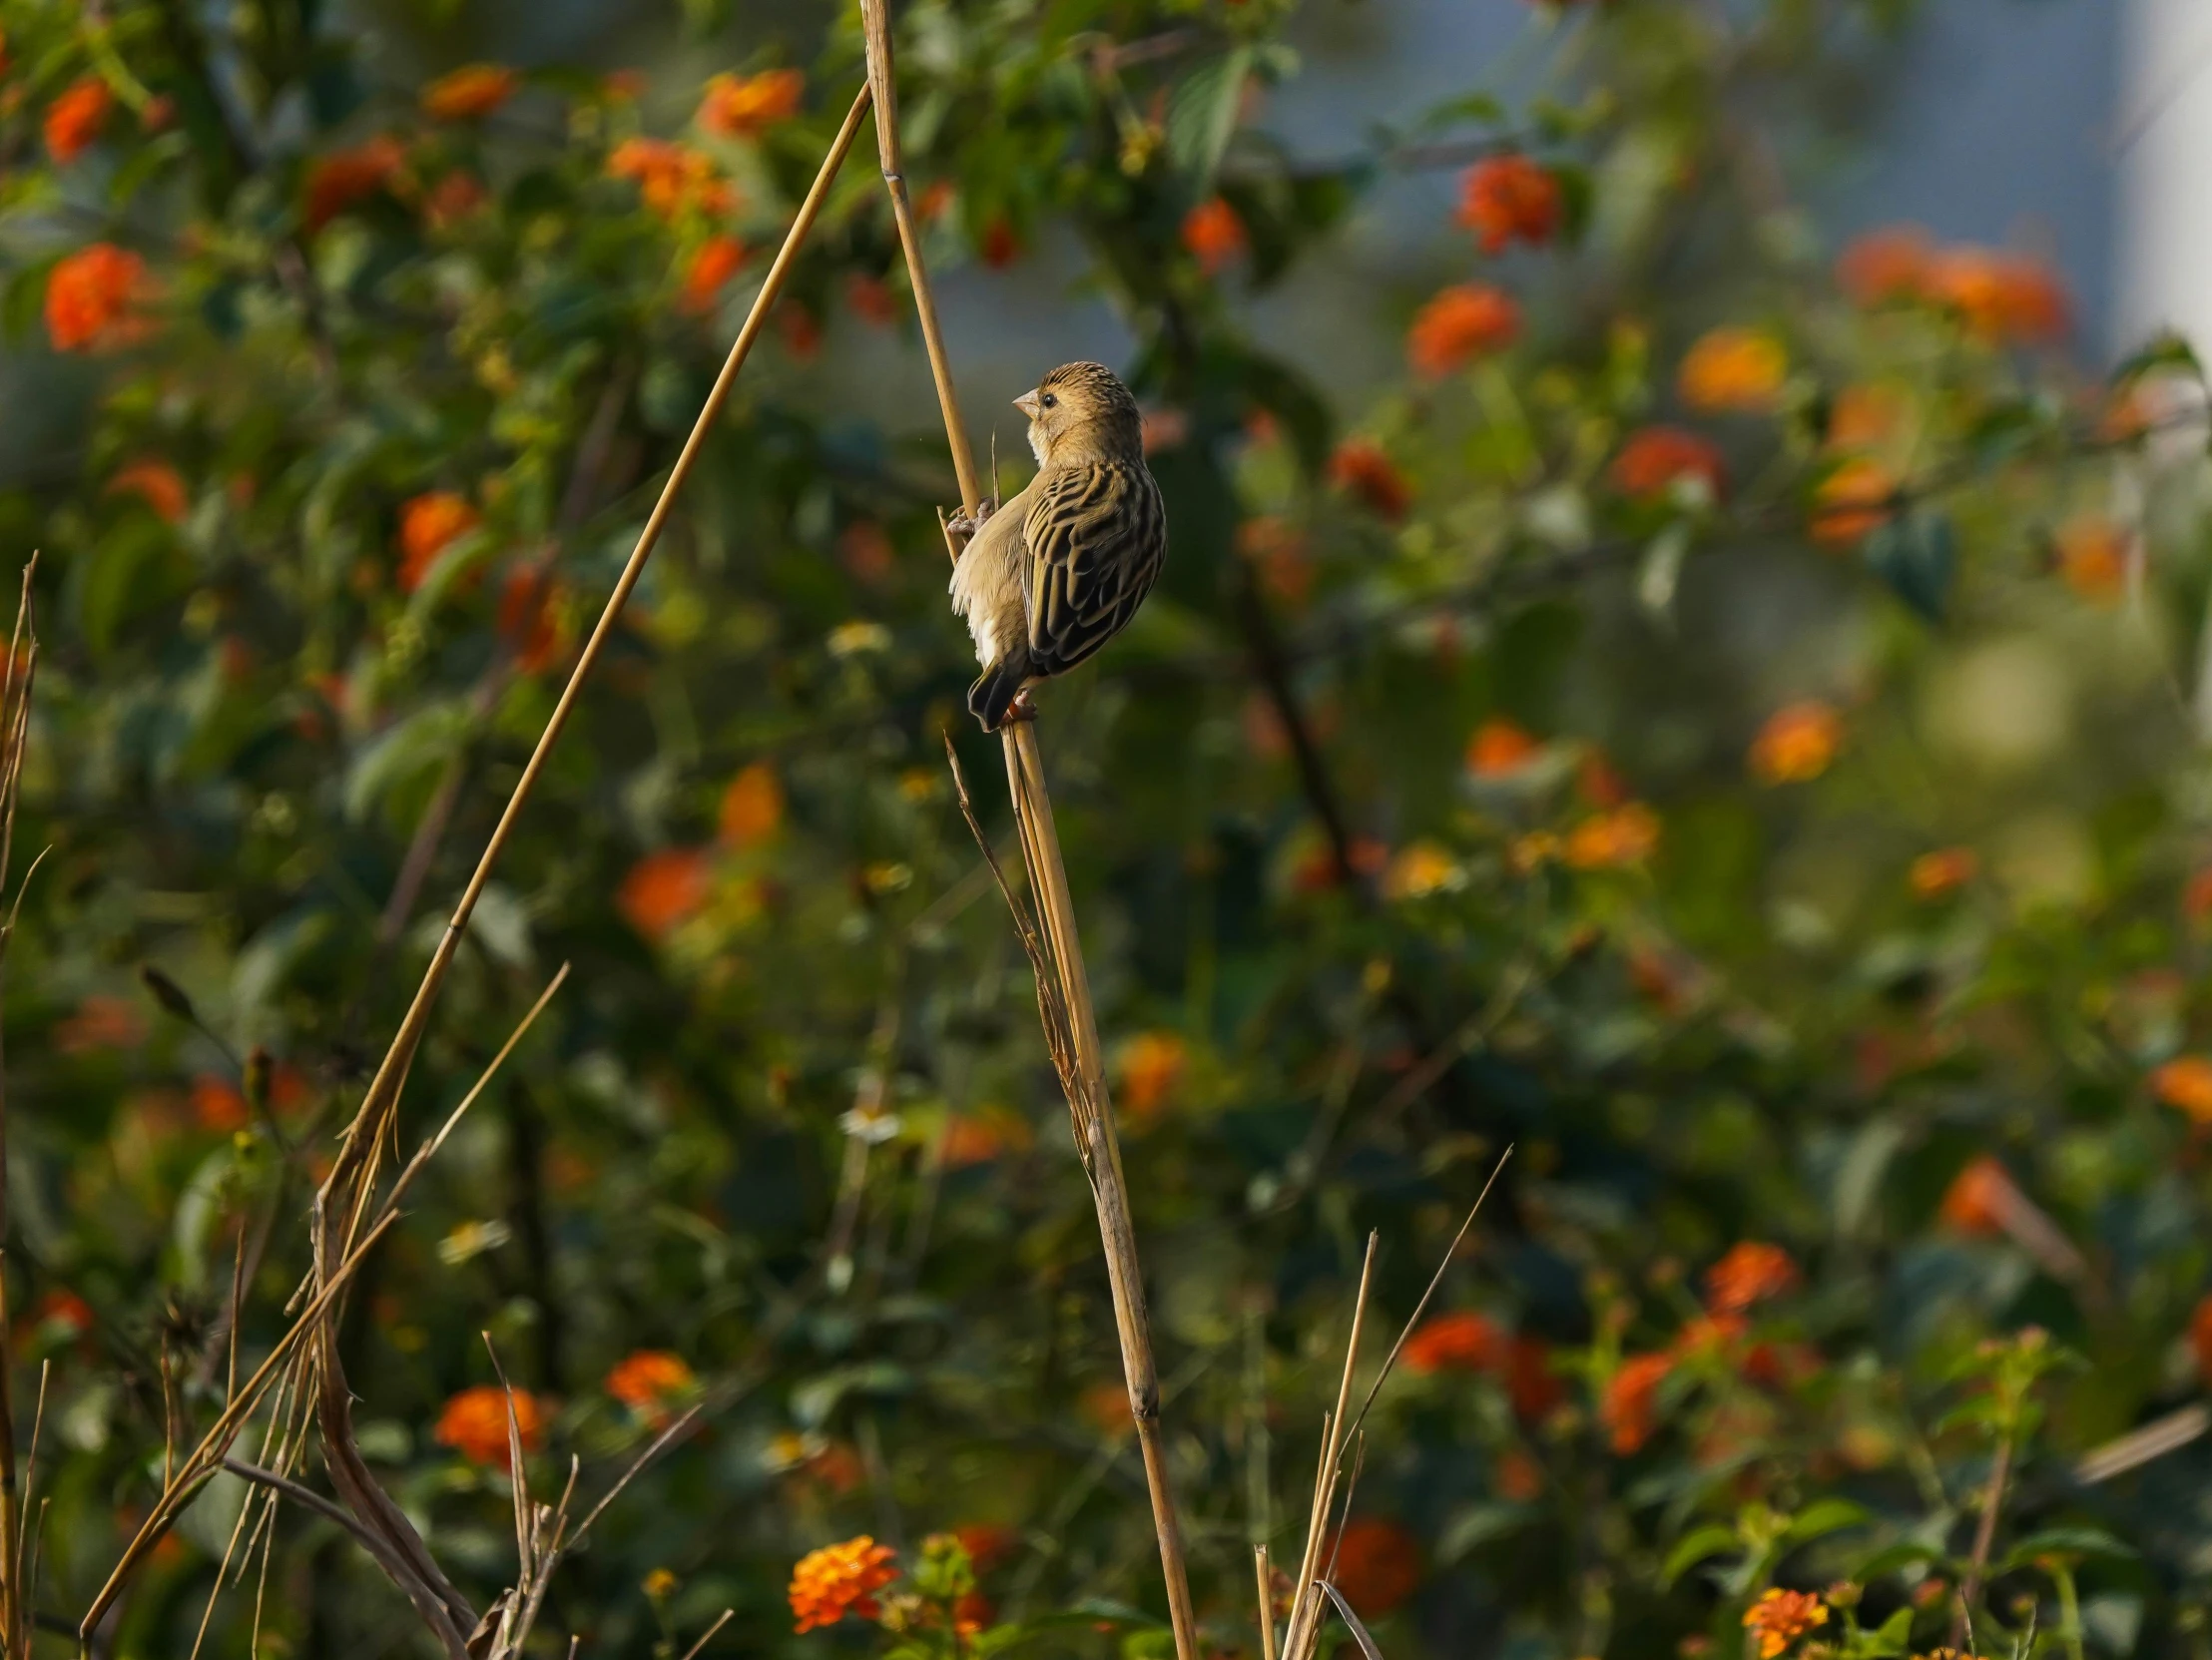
point(1499, 749)
point(1468, 321)
point(671, 178)
point(1654, 458)
point(1000, 246)
point(1732, 368)
point(665, 888)
point(801, 334)
point(474, 1423)
point(1418, 870)
point(1459, 1341)
point(1152, 1065)
point(2186, 1082)
point(711, 269)
point(1781, 1617)
point(455, 197)
point(649, 1381)
point(344, 177)
point(1866, 414)
point(1625, 834)
point(1851, 502)
point(743, 106)
point(1531, 1383)
point(1279, 557)
point(841, 1579)
point(2200, 1338)
point(1518, 1477)
point(63, 1308)
point(74, 119)
point(1508, 199)
point(1361, 468)
point(987, 1544)
point(428, 525)
point(1979, 1197)
point(752, 806)
point(469, 93)
point(217, 1104)
point(2092, 557)
point(157, 483)
point(91, 295)
point(1797, 743)
point(2004, 299)
point(1377, 1565)
point(1629, 1408)
point(1749, 1274)
point(1214, 235)
point(528, 619)
point(1942, 872)
point(871, 300)
point(978, 1138)
point(1884, 265)
point(101, 1022)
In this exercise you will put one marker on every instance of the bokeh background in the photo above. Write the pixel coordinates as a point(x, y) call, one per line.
point(1684, 654)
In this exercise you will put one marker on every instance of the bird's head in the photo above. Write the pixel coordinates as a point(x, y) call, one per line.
point(1081, 413)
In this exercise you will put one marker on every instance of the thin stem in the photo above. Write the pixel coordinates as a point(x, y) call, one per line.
point(1984, 1536)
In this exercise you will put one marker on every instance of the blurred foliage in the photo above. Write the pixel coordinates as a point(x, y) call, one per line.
point(1729, 725)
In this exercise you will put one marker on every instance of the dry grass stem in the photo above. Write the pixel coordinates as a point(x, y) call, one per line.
point(693, 1653)
point(1264, 1575)
point(1306, 1607)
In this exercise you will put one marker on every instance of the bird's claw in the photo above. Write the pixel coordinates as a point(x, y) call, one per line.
point(1023, 708)
point(962, 523)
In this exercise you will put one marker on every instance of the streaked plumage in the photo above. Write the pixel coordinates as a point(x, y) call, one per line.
point(1062, 567)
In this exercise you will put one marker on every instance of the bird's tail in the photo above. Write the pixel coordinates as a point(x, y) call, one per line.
point(995, 689)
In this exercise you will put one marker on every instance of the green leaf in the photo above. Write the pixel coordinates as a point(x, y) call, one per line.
point(1706, 1542)
point(425, 739)
point(2068, 1542)
point(1824, 1516)
point(1915, 554)
point(1202, 117)
point(1890, 1558)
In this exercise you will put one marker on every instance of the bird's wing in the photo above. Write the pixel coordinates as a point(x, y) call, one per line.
point(1096, 538)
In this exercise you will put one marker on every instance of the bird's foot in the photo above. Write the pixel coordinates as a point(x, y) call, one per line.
point(964, 524)
point(1023, 708)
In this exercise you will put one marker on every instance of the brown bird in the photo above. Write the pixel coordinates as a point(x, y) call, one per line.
point(1059, 570)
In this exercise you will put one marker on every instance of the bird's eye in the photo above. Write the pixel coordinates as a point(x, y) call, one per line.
point(1049, 401)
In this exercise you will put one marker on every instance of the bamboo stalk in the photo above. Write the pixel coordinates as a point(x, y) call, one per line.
point(1089, 1102)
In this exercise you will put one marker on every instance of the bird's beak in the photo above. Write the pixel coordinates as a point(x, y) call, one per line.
point(1027, 404)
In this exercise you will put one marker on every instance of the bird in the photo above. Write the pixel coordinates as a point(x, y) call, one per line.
point(1059, 570)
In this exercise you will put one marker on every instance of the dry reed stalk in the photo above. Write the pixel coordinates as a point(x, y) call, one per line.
point(1088, 1098)
point(1305, 1603)
point(352, 1176)
point(1264, 1576)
